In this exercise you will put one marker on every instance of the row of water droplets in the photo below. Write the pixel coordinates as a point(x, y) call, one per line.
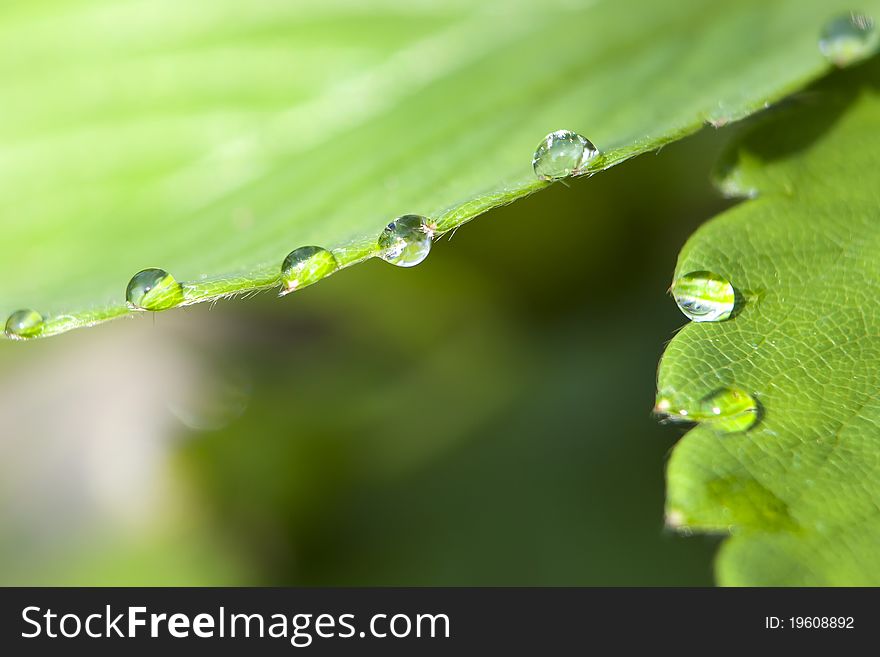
point(407, 240)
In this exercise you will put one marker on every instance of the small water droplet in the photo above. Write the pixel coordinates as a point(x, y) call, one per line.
point(849, 38)
point(730, 410)
point(153, 289)
point(23, 324)
point(304, 266)
point(562, 154)
point(704, 296)
point(727, 410)
point(406, 241)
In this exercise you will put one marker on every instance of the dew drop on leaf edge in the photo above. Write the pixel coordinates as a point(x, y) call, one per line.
point(849, 38)
point(153, 289)
point(704, 296)
point(562, 154)
point(406, 241)
point(727, 410)
point(304, 266)
point(23, 324)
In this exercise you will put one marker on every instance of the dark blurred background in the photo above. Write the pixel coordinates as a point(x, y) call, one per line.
point(481, 419)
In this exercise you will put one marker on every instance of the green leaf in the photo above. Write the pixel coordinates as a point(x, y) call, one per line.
point(800, 490)
point(211, 138)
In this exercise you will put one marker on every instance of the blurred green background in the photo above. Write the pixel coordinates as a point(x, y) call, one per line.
point(482, 419)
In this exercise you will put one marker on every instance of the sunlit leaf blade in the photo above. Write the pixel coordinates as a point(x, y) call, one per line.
point(210, 138)
point(801, 489)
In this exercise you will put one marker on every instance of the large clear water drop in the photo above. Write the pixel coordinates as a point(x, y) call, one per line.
point(23, 324)
point(406, 241)
point(562, 154)
point(153, 289)
point(305, 266)
point(704, 296)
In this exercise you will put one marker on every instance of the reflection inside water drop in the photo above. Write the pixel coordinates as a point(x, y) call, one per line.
point(704, 296)
point(406, 241)
point(153, 289)
point(23, 324)
point(305, 266)
point(562, 154)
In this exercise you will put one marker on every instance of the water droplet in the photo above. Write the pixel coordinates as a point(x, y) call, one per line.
point(562, 154)
point(704, 296)
point(727, 410)
point(153, 289)
point(406, 241)
point(23, 324)
point(305, 266)
point(730, 410)
point(848, 39)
